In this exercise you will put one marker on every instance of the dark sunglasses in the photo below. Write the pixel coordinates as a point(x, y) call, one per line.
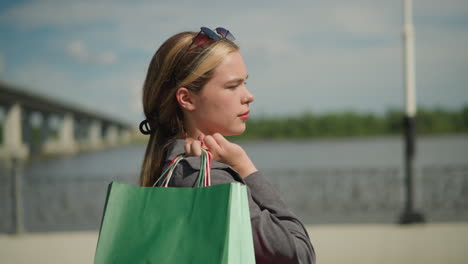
point(206, 34)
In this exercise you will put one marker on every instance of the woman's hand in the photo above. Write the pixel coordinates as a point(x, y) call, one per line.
point(223, 151)
point(193, 148)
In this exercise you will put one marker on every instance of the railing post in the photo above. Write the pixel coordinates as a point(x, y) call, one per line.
point(409, 215)
point(17, 186)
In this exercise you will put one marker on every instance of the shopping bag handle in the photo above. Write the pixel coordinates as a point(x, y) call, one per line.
point(204, 175)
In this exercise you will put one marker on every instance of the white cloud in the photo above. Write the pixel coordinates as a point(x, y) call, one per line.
point(59, 13)
point(300, 54)
point(144, 24)
point(112, 94)
point(368, 20)
point(136, 86)
point(80, 53)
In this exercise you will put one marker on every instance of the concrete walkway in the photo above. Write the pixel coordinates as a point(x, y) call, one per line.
point(360, 244)
point(381, 244)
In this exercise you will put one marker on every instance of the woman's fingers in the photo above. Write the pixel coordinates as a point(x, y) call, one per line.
point(193, 148)
point(196, 148)
point(223, 151)
point(188, 149)
point(213, 146)
point(201, 138)
point(222, 141)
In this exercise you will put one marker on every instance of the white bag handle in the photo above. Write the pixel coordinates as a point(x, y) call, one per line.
point(204, 176)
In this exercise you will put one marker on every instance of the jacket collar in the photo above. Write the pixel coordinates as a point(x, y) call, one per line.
point(177, 148)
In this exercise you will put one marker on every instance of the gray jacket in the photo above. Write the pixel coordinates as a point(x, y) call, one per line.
point(279, 237)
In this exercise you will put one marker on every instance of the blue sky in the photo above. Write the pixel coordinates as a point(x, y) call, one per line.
point(301, 55)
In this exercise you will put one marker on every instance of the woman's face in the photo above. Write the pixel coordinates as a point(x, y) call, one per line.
point(222, 105)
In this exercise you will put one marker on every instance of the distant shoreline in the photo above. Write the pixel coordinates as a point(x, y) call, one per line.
point(337, 125)
point(352, 124)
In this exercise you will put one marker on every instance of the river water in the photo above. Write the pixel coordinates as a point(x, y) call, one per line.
point(323, 181)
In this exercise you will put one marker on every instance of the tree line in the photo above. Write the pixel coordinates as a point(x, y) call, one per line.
point(346, 124)
point(353, 124)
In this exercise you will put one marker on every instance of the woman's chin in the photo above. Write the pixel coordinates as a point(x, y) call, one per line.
point(234, 132)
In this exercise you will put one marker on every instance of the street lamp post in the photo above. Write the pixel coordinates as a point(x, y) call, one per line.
point(408, 215)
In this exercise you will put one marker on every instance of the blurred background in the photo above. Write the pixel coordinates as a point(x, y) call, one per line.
point(326, 125)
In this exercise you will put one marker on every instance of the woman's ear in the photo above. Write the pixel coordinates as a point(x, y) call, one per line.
point(185, 98)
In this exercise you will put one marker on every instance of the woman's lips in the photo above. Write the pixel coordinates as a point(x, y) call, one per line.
point(245, 115)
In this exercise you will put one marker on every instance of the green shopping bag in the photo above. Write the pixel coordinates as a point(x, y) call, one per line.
point(207, 224)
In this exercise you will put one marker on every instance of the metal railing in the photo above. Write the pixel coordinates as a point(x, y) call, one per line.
point(317, 196)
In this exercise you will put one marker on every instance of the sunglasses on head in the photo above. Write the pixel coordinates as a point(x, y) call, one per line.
point(206, 34)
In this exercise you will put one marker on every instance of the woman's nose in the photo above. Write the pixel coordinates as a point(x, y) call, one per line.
point(248, 97)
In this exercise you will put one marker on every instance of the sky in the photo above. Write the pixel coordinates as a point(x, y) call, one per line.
point(305, 55)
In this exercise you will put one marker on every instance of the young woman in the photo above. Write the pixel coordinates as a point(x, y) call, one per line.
point(194, 95)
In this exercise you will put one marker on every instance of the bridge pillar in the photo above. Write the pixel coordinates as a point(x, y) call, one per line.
point(13, 144)
point(95, 135)
point(125, 136)
point(66, 135)
point(65, 142)
point(112, 136)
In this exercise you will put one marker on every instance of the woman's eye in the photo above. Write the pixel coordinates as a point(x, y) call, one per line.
point(235, 86)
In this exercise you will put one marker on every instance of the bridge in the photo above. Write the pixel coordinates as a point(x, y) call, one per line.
point(34, 124)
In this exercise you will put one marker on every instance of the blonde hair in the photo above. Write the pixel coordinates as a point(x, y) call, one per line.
point(177, 63)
